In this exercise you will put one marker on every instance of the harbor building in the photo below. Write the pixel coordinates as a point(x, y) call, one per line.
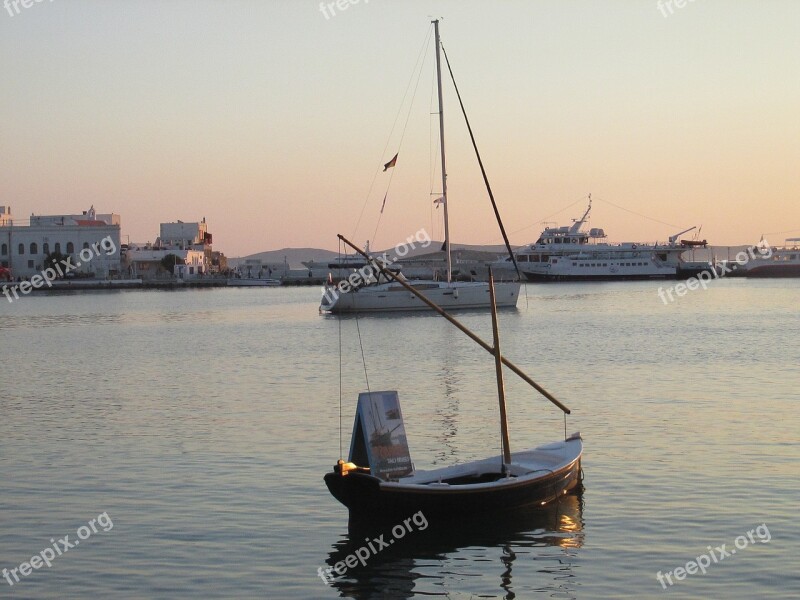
point(23, 247)
point(190, 243)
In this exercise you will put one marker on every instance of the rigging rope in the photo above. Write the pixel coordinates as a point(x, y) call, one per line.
point(638, 214)
point(421, 64)
point(483, 171)
point(423, 52)
point(363, 358)
point(781, 232)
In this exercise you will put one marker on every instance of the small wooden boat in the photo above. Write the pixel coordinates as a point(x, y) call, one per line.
point(532, 477)
point(379, 481)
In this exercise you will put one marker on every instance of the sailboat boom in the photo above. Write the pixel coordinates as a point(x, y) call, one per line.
point(392, 277)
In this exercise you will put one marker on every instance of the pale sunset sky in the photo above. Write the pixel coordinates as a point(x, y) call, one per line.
point(270, 119)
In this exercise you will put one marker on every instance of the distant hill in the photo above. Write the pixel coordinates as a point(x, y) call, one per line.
point(296, 256)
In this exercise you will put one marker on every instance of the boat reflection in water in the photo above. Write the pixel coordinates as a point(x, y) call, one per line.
point(514, 556)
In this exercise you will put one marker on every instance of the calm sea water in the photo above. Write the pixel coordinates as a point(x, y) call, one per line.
point(202, 423)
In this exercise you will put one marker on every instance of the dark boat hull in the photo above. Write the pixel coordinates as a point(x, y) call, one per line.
point(364, 495)
point(774, 270)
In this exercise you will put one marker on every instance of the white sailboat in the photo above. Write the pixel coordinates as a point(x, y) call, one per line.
point(384, 295)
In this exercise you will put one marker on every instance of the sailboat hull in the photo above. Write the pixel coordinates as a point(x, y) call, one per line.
point(393, 297)
point(474, 488)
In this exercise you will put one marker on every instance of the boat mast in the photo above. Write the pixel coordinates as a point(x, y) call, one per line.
point(441, 145)
point(498, 365)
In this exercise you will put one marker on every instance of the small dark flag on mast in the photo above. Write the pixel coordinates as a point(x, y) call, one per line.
point(391, 163)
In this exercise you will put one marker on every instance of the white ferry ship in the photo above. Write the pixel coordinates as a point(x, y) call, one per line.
point(570, 254)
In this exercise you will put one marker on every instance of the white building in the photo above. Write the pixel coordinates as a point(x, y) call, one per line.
point(145, 261)
point(184, 234)
point(23, 247)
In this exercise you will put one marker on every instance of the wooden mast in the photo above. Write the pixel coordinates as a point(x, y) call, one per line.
point(498, 365)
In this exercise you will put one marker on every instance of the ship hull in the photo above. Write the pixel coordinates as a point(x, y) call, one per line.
point(368, 496)
point(393, 297)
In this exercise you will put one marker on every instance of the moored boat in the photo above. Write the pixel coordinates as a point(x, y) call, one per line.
point(774, 262)
point(571, 253)
point(374, 295)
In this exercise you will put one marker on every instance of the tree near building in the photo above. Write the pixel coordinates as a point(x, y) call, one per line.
point(55, 260)
point(169, 261)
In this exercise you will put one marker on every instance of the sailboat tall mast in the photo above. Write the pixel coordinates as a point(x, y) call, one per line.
point(441, 145)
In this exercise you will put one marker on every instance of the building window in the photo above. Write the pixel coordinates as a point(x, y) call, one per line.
point(58, 247)
point(30, 264)
point(34, 248)
point(46, 248)
point(21, 249)
point(70, 248)
point(4, 250)
point(85, 245)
